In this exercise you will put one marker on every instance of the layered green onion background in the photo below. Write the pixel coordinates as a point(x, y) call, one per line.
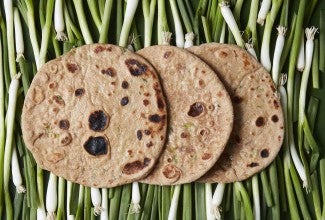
point(280, 190)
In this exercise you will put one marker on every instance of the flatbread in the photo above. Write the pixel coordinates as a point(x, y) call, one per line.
point(258, 123)
point(200, 115)
point(96, 116)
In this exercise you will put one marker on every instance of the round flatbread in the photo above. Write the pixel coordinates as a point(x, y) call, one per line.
point(96, 116)
point(258, 120)
point(200, 115)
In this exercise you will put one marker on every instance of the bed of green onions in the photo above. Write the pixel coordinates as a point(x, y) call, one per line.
point(293, 186)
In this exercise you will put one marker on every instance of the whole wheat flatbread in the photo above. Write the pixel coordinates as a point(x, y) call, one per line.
point(96, 116)
point(258, 120)
point(200, 111)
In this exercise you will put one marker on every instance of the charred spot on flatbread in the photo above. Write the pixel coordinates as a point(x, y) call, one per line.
point(275, 118)
point(265, 153)
point(65, 139)
point(196, 109)
point(125, 84)
point(135, 166)
point(155, 118)
point(64, 124)
point(96, 146)
point(260, 121)
point(72, 67)
point(124, 101)
point(79, 92)
point(135, 67)
point(98, 120)
point(171, 172)
point(109, 71)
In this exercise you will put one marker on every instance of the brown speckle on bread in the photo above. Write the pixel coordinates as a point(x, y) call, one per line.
point(96, 146)
point(135, 166)
point(135, 67)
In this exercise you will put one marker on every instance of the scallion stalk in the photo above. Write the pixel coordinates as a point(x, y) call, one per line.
point(148, 13)
point(59, 20)
point(51, 197)
point(217, 199)
point(251, 24)
point(250, 49)
point(9, 12)
point(96, 200)
point(103, 34)
point(256, 198)
point(135, 198)
point(162, 24)
point(301, 56)
point(104, 213)
point(208, 202)
point(82, 21)
point(264, 10)
point(279, 44)
point(10, 118)
point(315, 66)
point(19, 40)
point(231, 22)
point(2, 125)
point(174, 203)
point(94, 11)
point(179, 34)
point(131, 7)
point(265, 47)
point(15, 170)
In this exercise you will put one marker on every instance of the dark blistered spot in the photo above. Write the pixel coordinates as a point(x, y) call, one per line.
point(171, 172)
point(281, 127)
point(265, 153)
point(252, 164)
point(155, 118)
point(195, 109)
point(130, 152)
point(279, 138)
point(252, 89)
point(113, 83)
point(96, 145)
point(161, 137)
point(109, 71)
point(100, 48)
point(201, 83)
point(125, 84)
point(275, 118)
point(58, 100)
point(65, 139)
point(135, 166)
point(259, 121)
point(223, 54)
point(237, 139)
point(276, 104)
point(145, 102)
point(246, 62)
point(160, 103)
point(124, 101)
point(64, 124)
point(237, 99)
point(150, 144)
point(169, 160)
point(139, 134)
point(98, 120)
point(203, 132)
point(79, 92)
point(184, 135)
point(167, 54)
point(211, 107)
point(135, 67)
point(146, 94)
point(206, 156)
point(147, 132)
point(72, 67)
point(53, 85)
point(273, 88)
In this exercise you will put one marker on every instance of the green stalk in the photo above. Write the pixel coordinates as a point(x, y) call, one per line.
point(155, 206)
point(275, 191)
point(322, 40)
point(5, 55)
point(82, 21)
point(219, 21)
point(315, 195)
point(162, 25)
point(199, 191)
point(9, 12)
point(46, 31)
point(2, 125)
point(187, 202)
point(119, 20)
point(315, 66)
point(237, 10)
point(284, 13)
point(115, 203)
point(146, 212)
point(87, 204)
point(60, 212)
point(189, 10)
point(165, 197)
point(10, 119)
point(212, 16)
point(148, 13)
point(125, 201)
point(131, 7)
point(93, 8)
point(299, 193)
point(266, 188)
point(185, 17)
point(250, 29)
point(206, 28)
point(18, 204)
point(79, 213)
point(245, 199)
point(200, 10)
point(236, 203)
point(282, 191)
point(106, 19)
point(322, 182)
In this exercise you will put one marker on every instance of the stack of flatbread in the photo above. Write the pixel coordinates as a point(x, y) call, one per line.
point(103, 116)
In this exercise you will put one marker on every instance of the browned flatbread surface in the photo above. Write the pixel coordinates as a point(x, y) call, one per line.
point(96, 116)
point(200, 111)
point(258, 120)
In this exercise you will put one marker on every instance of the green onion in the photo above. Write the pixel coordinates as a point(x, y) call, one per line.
point(301, 56)
point(315, 66)
point(135, 198)
point(80, 203)
point(217, 200)
point(148, 13)
point(104, 213)
point(251, 24)
point(16, 176)
point(178, 24)
point(59, 20)
point(19, 40)
point(10, 118)
point(189, 37)
point(264, 10)
point(207, 32)
point(162, 24)
point(61, 189)
point(256, 198)
point(103, 35)
point(279, 44)
point(51, 196)
point(82, 21)
point(266, 189)
point(96, 200)
point(187, 202)
point(93, 7)
point(245, 199)
point(174, 203)
point(231, 22)
point(131, 7)
point(208, 202)
point(322, 40)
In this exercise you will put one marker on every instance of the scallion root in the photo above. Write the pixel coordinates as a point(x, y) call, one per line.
point(217, 199)
point(135, 199)
point(166, 38)
point(279, 44)
point(189, 37)
point(265, 8)
point(96, 199)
